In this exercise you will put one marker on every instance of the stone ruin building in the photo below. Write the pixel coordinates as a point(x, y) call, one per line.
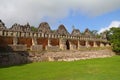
point(20, 44)
point(21, 38)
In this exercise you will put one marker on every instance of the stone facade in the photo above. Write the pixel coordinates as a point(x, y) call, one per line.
point(75, 32)
point(62, 30)
point(44, 38)
point(21, 28)
point(13, 58)
point(44, 28)
point(19, 44)
point(87, 33)
point(2, 25)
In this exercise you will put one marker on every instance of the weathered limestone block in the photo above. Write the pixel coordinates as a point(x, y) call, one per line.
point(46, 36)
point(62, 47)
point(35, 34)
point(72, 47)
point(36, 48)
point(62, 44)
point(43, 35)
point(14, 34)
point(107, 45)
point(34, 41)
point(19, 47)
point(1, 33)
point(52, 48)
point(102, 45)
point(87, 44)
point(22, 34)
point(27, 34)
point(9, 34)
point(79, 45)
point(15, 41)
point(39, 35)
point(4, 33)
point(95, 44)
point(49, 42)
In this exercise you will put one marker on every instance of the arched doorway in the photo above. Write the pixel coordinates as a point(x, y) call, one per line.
point(67, 45)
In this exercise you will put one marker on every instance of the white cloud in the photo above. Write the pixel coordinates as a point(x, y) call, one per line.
point(113, 24)
point(35, 11)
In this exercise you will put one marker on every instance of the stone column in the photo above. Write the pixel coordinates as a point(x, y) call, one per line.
point(15, 41)
point(27, 34)
point(62, 44)
point(35, 34)
point(87, 44)
point(34, 41)
point(72, 46)
point(38, 34)
point(78, 44)
point(49, 42)
point(31, 34)
point(101, 44)
point(1, 33)
point(4, 33)
point(95, 44)
point(107, 45)
point(23, 34)
point(42, 35)
point(18, 34)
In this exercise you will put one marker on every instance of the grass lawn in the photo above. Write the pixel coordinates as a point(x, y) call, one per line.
point(92, 69)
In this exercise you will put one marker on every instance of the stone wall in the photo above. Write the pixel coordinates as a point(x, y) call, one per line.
point(25, 41)
point(36, 48)
point(18, 47)
point(77, 55)
point(13, 58)
point(52, 48)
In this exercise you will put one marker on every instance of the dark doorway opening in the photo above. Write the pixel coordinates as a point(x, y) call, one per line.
point(67, 45)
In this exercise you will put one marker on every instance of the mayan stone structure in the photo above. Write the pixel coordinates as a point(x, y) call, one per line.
point(22, 38)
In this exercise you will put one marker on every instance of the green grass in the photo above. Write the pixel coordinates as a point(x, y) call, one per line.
point(92, 69)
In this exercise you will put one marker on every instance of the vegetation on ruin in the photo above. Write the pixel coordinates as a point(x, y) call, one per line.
point(93, 69)
point(33, 28)
point(113, 35)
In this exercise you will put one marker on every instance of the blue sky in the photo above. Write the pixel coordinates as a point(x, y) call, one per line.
point(81, 21)
point(93, 14)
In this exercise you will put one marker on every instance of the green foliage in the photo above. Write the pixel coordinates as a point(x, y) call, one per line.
point(34, 29)
point(94, 32)
point(53, 31)
point(93, 69)
point(113, 35)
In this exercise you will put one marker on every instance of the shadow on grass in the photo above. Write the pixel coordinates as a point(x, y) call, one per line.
point(7, 66)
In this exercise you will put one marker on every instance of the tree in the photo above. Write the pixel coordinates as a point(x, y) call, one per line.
point(33, 28)
point(95, 33)
point(113, 35)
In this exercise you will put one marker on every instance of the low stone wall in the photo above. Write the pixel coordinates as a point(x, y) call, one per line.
point(13, 58)
point(77, 55)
